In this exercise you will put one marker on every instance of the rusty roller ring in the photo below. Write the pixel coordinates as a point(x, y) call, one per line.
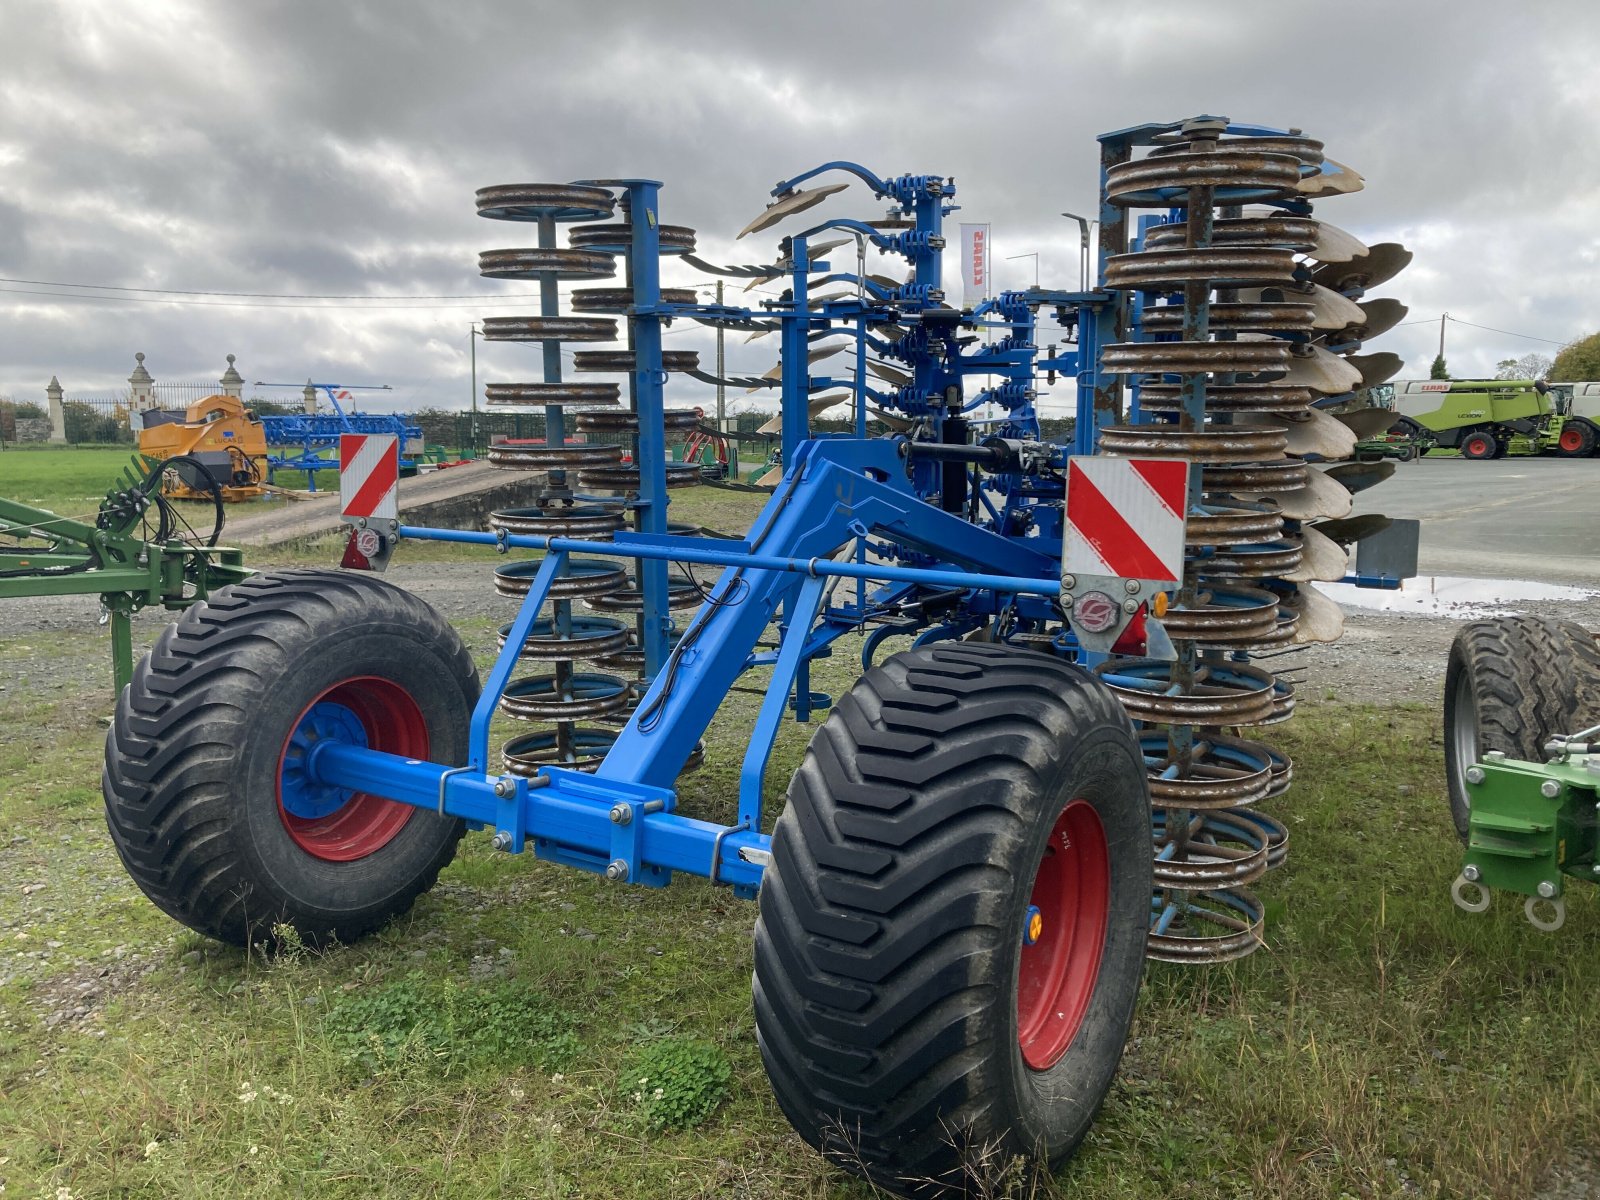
point(1264, 561)
point(1233, 318)
point(1239, 175)
point(587, 520)
point(1222, 851)
point(590, 637)
point(1283, 702)
point(626, 479)
point(1223, 612)
point(681, 593)
point(584, 577)
point(1232, 527)
point(549, 329)
point(1223, 693)
point(1224, 772)
point(545, 395)
point(1272, 833)
point(1282, 773)
point(622, 360)
point(617, 238)
point(1284, 475)
point(1212, 927)
point(581, 696)
point(626, 422)
point(620, 300)
point(1214, 266)
point(533, 261)
point(1194, 358)
point(537, 456)
point(1280, 635)
point(1227, 397)
point(585, 750)
point(545, 201)
point(1283, 232)
point(1297, 145)
point(1218, 444)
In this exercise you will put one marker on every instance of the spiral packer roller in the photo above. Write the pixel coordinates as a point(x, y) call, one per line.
point(1242, 313)
point(599, 612)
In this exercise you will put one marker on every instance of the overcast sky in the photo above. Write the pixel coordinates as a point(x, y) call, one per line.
point(317, 148)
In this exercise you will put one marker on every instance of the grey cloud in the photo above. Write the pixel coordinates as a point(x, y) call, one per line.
point(296, 146)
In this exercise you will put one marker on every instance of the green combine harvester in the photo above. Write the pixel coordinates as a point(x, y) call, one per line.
point(1490, 418)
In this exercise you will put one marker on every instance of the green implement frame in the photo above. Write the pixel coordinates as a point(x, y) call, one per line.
point(1532, 825)
point(42, 554)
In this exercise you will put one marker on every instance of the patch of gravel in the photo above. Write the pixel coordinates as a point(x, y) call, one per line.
point(1382, 658)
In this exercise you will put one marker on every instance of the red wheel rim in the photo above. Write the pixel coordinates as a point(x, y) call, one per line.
point(1060, 960)
point(362, 824)
point(1571, 439)
point(1477, 446)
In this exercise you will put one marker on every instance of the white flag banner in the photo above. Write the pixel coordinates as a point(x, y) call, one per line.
point(974, 263)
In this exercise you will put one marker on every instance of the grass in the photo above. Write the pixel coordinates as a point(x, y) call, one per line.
point(69, 481)
point(493, 1042)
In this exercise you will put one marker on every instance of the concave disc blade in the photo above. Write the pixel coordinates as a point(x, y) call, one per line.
point(1321, 619)
point(1359, 476)
point(1378, 265)
point(794, 202)
point(1334, 179)
point(1335, 245)
point(1307, 432)
point(1321, 371)
point(1350, 530)
point(1367, 422)
point(1321, 558)
point(1376, 368)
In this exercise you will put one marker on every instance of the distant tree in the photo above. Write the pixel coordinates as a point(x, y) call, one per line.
point(1578, 360)
point(1439, 370)
point(271, 408)
point(27, 410)
point(1529, 366)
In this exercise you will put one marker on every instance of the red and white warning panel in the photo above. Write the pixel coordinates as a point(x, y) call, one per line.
point(369, 476)
point(1122, 547)
point(369, 497)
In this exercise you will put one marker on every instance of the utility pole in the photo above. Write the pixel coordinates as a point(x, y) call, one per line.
point(722, 415)
point(474, 372)
point(1443, 317)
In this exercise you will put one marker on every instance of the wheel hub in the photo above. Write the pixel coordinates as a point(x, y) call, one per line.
point(340, 824)
point(302, 795)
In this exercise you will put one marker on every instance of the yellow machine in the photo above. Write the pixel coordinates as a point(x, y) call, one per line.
point(218, 431)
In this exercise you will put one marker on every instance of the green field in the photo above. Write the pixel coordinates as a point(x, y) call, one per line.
point(70, 481)
point(492, 1042)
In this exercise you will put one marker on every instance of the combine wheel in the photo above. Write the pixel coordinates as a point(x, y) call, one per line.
point(1577, 440)
point(1480, 445)
point(206, 795)
point(1512, 683)
point(952, 928)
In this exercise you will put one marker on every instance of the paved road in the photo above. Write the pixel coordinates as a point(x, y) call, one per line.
point(1514, 518)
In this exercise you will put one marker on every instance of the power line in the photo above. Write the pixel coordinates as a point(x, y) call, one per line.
point(113, 287)
point(1508, 333)
point(491, 302)
point(1490, 328)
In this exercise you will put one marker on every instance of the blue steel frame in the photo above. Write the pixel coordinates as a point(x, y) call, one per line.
point(995, 556)
point(999, 555)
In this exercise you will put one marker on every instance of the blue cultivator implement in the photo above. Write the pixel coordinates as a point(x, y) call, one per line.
point(309, 442)
point(958, 896)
